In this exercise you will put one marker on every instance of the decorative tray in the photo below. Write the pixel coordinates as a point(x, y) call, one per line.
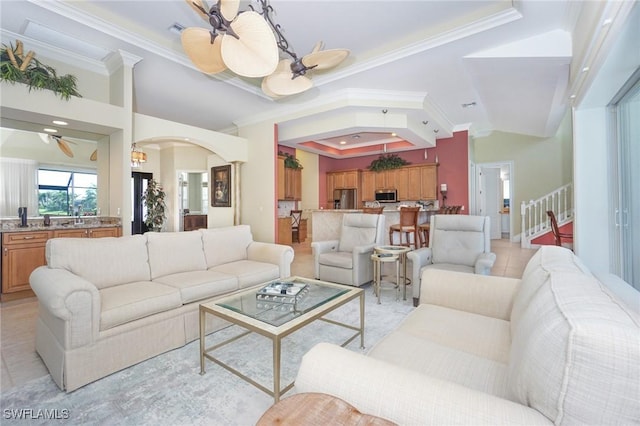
point(282, 292)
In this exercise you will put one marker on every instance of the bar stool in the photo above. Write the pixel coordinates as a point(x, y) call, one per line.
point(408, 224)
point(296, 216)
point(423, 231)
point(378, 259)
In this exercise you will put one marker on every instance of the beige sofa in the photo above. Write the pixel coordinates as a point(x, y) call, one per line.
point(558, 346)
point(106, 304)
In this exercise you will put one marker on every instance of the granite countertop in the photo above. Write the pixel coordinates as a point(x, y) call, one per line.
point(37, 224)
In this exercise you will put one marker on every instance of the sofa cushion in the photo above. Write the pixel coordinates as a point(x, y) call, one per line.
point(198, 285)
point(443, 362)
point(575, 352)
point(128, 302)
point(480, 335)
point(227, 244)
point(448, 267)
point(104, 262)
point(357, 230)
point(460, 239)
point(174, 252)
point(546, 260)
point(249, 272)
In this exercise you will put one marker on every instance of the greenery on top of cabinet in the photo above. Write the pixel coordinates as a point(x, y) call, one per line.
point(290, 162)
point(387, 162)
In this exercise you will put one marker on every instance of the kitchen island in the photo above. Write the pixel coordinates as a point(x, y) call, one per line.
point(326, 223)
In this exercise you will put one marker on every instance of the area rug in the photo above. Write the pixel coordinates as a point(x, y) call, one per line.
point(168, 388)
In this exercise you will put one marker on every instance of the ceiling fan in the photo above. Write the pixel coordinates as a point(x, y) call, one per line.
point(242, 42)
point(63, 145)
point(245, 43)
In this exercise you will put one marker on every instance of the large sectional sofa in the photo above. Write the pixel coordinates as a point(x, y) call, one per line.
point(559, 346)
point(108, 303)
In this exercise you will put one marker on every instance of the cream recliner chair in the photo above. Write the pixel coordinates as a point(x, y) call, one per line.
point(457, 243)
point(348, 260)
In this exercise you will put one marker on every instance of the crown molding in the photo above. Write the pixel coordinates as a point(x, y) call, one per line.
point(53, 52)
point(483, 24)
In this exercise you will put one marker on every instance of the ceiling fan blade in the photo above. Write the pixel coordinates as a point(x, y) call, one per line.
point(64, 147)
point(203, 5)
point(325, 59)
point(318, 47)
point(282, 82)
point(255, 53)
point(196, 42)
point(94, 155)
point(46, 138)
point(229, 9)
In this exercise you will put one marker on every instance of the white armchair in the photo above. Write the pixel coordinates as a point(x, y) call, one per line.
point(348, 260)
point(456, 243)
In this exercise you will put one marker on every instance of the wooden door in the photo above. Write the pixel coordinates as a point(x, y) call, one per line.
point(115, 232)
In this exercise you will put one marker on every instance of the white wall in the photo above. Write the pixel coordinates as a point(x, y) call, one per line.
point(591, 140)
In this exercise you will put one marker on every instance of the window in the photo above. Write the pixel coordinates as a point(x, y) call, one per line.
point(67, 193)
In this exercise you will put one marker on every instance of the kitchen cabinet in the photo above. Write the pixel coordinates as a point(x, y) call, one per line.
point(346, 179)
point(284, 230)
point(368, 185)
point(413, 183)
point(289, 182)
point(293, 184)
point(22, 252)
point(429, 182)
point(331, 185)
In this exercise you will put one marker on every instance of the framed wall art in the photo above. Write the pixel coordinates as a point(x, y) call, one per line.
point(221, 187)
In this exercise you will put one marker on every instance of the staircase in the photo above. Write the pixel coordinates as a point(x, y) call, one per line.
point(535, 221)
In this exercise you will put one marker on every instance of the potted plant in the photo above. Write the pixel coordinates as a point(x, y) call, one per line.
point(387, 162)
point(153, 199)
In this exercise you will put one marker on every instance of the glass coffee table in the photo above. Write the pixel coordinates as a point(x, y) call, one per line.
point(275, 316)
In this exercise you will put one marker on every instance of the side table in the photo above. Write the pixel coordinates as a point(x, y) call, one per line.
point(317, 409)
point(401, 252)
point(378, 259)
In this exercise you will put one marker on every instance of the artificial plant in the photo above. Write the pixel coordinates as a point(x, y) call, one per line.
point(153, 199)
point(387, 162)
point(16, 67)
point(290, 162)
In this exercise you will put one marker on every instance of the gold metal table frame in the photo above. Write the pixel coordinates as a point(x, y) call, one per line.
point(275, 333)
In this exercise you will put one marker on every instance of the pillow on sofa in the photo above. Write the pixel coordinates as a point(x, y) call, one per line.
point(225, 245)
point(574, 355)
point(174, 252)
point(103, 261)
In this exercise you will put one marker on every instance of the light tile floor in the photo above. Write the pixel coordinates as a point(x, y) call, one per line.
point(20, 362)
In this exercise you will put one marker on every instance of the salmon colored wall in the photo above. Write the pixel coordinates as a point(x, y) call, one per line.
point(453, 156)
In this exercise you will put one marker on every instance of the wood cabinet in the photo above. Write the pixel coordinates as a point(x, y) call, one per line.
point(413, 183)
point(191, 222)
point(289, 182)
point(284, 230)
point(24, 251)
point(293, 184)
point(344, 179)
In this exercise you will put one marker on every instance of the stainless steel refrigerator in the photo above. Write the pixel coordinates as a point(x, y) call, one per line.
point(345, 198)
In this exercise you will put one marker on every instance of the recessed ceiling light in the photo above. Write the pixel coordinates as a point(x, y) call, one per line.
point(572, 97)
point(343, 142)
point(585, 69)
point(606, 22)
point(355, 137)
point(50, 130)
point(60, 122)
point(394, 135)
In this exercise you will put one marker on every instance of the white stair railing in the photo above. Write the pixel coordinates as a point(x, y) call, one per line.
point(535, 221)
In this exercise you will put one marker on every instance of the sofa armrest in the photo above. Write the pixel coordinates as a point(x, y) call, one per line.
point(480, 294)
point(484, 263)
point(278, 254)
point(403, 396)
point(418, 259)
point(72, 300)
point(319, 247)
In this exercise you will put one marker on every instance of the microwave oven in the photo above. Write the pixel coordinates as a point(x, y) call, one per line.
point(387, 196)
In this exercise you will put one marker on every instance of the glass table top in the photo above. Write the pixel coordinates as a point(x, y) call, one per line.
point(277, 309)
